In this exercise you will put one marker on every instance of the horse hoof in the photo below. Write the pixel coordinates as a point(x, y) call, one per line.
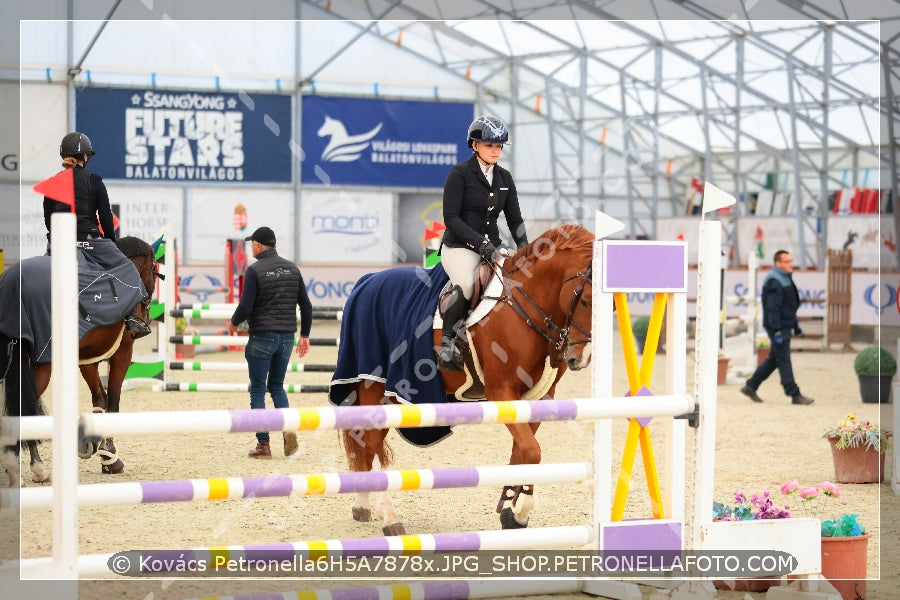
point(87, 450)
point(395, 529)
point(363, 515)
point(508, 520)
point(42, 478)
point(114, 468)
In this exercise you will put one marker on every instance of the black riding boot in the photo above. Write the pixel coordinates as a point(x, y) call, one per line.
point(135, 325)
point(449, 356)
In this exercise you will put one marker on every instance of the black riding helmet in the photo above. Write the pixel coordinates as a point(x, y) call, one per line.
point(75, 144)
point(488, 129)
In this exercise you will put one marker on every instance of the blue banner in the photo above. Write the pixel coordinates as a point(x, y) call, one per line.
point(163, 135)
point(382, 142)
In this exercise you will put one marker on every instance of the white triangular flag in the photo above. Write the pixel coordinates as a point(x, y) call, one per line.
point(714, 198)
point(605, 225)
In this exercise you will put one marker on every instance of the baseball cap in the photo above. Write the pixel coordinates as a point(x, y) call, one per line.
point(263, 235)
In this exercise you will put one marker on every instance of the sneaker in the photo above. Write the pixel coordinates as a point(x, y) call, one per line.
point(751, 393)
point(262, 451)
point(290, 443)
point(801, 399)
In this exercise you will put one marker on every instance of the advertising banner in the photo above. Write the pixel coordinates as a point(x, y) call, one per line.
point(337, 227)
point(160, 135)
point(359, 141)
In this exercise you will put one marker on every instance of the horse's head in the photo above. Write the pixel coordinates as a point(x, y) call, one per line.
point(579, 314)
point(332, 127)
point(144, 258)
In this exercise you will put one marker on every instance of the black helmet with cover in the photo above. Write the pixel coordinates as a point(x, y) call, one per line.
point(75, 144)
point(488, 129)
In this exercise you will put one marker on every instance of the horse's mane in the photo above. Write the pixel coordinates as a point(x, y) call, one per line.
point(132, 246)
point(561, 237)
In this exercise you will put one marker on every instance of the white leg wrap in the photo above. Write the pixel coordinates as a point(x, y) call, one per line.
point(523, 507)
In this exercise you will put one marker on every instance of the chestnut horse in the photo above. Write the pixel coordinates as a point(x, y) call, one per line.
point(525, 338)
point(25, 380)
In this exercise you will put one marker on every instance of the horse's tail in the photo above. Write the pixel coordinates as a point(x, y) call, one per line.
point(21, 393)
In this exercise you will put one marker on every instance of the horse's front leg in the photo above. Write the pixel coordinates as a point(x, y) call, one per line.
point(118, 367)
point(109, 460)
point(517, 502)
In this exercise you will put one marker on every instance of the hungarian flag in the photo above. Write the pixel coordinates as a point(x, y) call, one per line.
point(758, 238)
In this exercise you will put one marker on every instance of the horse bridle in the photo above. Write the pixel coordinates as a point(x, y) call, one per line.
point(549, 326)
point(154, 271)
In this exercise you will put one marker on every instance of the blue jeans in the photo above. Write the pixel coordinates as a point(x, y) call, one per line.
point(779, 358)
point(268, 355)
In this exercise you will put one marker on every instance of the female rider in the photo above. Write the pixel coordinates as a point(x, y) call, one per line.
point(93, 212)
point(475, 193)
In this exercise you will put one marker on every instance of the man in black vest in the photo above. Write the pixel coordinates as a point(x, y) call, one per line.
point(273, 286)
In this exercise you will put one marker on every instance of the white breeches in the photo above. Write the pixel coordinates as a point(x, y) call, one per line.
point(460, 265)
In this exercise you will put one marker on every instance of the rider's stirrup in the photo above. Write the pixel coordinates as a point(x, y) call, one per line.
point(449, 356)
point(136, 327)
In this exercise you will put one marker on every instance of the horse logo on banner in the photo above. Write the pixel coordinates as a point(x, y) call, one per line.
point(344, 147)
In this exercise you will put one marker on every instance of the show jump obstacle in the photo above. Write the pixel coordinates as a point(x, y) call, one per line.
point(660, 268)
point(158, 368)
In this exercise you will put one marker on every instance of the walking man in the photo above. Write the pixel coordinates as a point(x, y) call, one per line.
point(780, 302)
point(273, 287)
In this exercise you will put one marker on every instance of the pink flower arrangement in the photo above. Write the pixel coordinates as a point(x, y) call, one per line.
point(809, 496)
point(761, 506)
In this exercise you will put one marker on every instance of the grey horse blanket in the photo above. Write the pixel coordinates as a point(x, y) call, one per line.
point(109, 286)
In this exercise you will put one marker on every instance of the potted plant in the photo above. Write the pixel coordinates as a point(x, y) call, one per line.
point(722, 373)
point(639, 329)
point(858, 448)
point(875, 368)
point(844, 539)
point(762, 350)
point(182, 329)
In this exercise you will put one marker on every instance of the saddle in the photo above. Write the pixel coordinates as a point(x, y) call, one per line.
point(487, 291)
point(483, 274)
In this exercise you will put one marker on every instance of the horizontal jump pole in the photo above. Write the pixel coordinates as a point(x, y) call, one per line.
point(231, 306)
point(352, 417)
point(96, 565)
point(212, 386)
point(242, 366)
point(318, 484)
point(235, 340)
point(214, 313)
point(433, 590)
point(214, 289)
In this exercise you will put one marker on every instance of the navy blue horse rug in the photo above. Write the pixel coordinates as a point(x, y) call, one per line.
point(386, 336)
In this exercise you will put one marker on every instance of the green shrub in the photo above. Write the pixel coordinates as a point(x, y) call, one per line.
point(640, 326)
point(874, 360)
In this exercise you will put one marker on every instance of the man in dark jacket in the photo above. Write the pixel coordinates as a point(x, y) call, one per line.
point(273, 287)
point(780, 302)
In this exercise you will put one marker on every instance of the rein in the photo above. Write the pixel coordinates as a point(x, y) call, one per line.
point(549, 326)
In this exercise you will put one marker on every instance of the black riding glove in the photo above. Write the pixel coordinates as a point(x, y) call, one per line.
point(488, 251)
